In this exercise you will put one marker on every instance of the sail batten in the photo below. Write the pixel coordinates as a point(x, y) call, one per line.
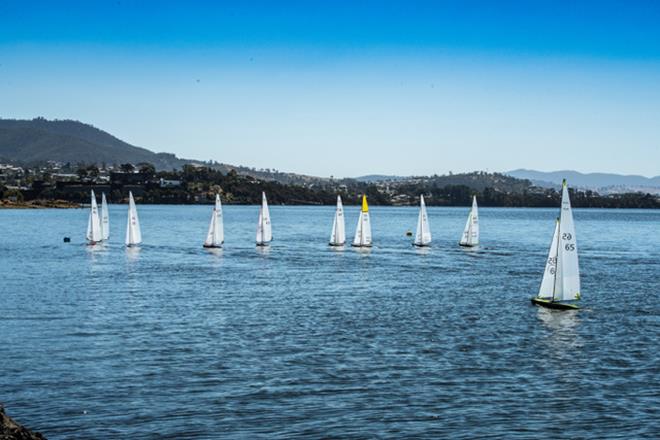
point(133, 232)
point(264, 229)
point(470, 235)
point(338, 235)
point(423, 233)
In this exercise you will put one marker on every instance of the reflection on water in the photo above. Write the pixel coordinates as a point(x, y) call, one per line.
point(132, 253)
point(563, 325)
point(362, 250)
point(216, 251)
point(422, 250)
point(263, 250)
point(561, 321)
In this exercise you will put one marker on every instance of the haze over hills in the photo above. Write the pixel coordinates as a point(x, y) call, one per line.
point(37, 141)
point(40, 140)
point(604, 183)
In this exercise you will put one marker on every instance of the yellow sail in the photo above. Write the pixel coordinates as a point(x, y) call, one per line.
point(365, 207)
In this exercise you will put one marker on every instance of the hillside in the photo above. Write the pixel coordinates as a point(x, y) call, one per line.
point(36, 141)
point(40, 140)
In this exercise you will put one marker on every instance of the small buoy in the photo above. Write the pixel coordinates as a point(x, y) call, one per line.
point(408, 233)
point(67, 239)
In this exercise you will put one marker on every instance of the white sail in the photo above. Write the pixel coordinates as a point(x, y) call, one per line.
point(363, 230)
point(264, 229)
point(423, 234)
point(470, 235)
point(567, 280)
point(548, 283)
point(338, 236)
point(105, 218)
point(94, 223)
point(133, 233)
point(216, 234)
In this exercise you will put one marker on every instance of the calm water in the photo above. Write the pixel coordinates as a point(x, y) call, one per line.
point(300, 340)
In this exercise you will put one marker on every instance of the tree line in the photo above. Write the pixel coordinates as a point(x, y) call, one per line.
point(195, 184)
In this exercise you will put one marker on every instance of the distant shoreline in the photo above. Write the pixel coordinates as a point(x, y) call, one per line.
point(39, 204)
point(64, 204)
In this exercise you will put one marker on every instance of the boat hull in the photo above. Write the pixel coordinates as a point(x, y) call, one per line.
point(212, 246)
point(420, 245)
point(336, 244)
point(553, 304)
point(361, 245)
point(467, 245)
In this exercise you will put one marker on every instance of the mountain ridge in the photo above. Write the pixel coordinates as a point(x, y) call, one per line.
point(602, 182)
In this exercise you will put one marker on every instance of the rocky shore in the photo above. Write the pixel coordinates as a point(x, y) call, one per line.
point(10, 430)
point(38, 204)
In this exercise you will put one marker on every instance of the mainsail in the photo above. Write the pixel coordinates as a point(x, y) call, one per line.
point(264, 230)
point(94, 234)
point(216, 235)
point(338, 236)
point(423, 234)
point(470, 235)
point(363, 231)
point(133, 233)
point(567, 279)
point(105, 218)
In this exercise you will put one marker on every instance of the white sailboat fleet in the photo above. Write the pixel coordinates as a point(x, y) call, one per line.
point(559, 287)
point(561, 278)
point(133, 233)
point(363, 230)
point(338, 235)
point(216, 234)
point(423, 234)
point(264, 229)
point(470, 237)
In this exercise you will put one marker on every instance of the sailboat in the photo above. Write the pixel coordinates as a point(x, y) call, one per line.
point(94, 235)
point(561, 279)
point(216, 235)
point(338, 236)
point(133, 233)
point(264, 229)
point(423, 234)
point(470, 237)
point(363, 230)
point(105, 218)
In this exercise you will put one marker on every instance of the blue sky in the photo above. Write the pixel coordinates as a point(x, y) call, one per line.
point(344, 89)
